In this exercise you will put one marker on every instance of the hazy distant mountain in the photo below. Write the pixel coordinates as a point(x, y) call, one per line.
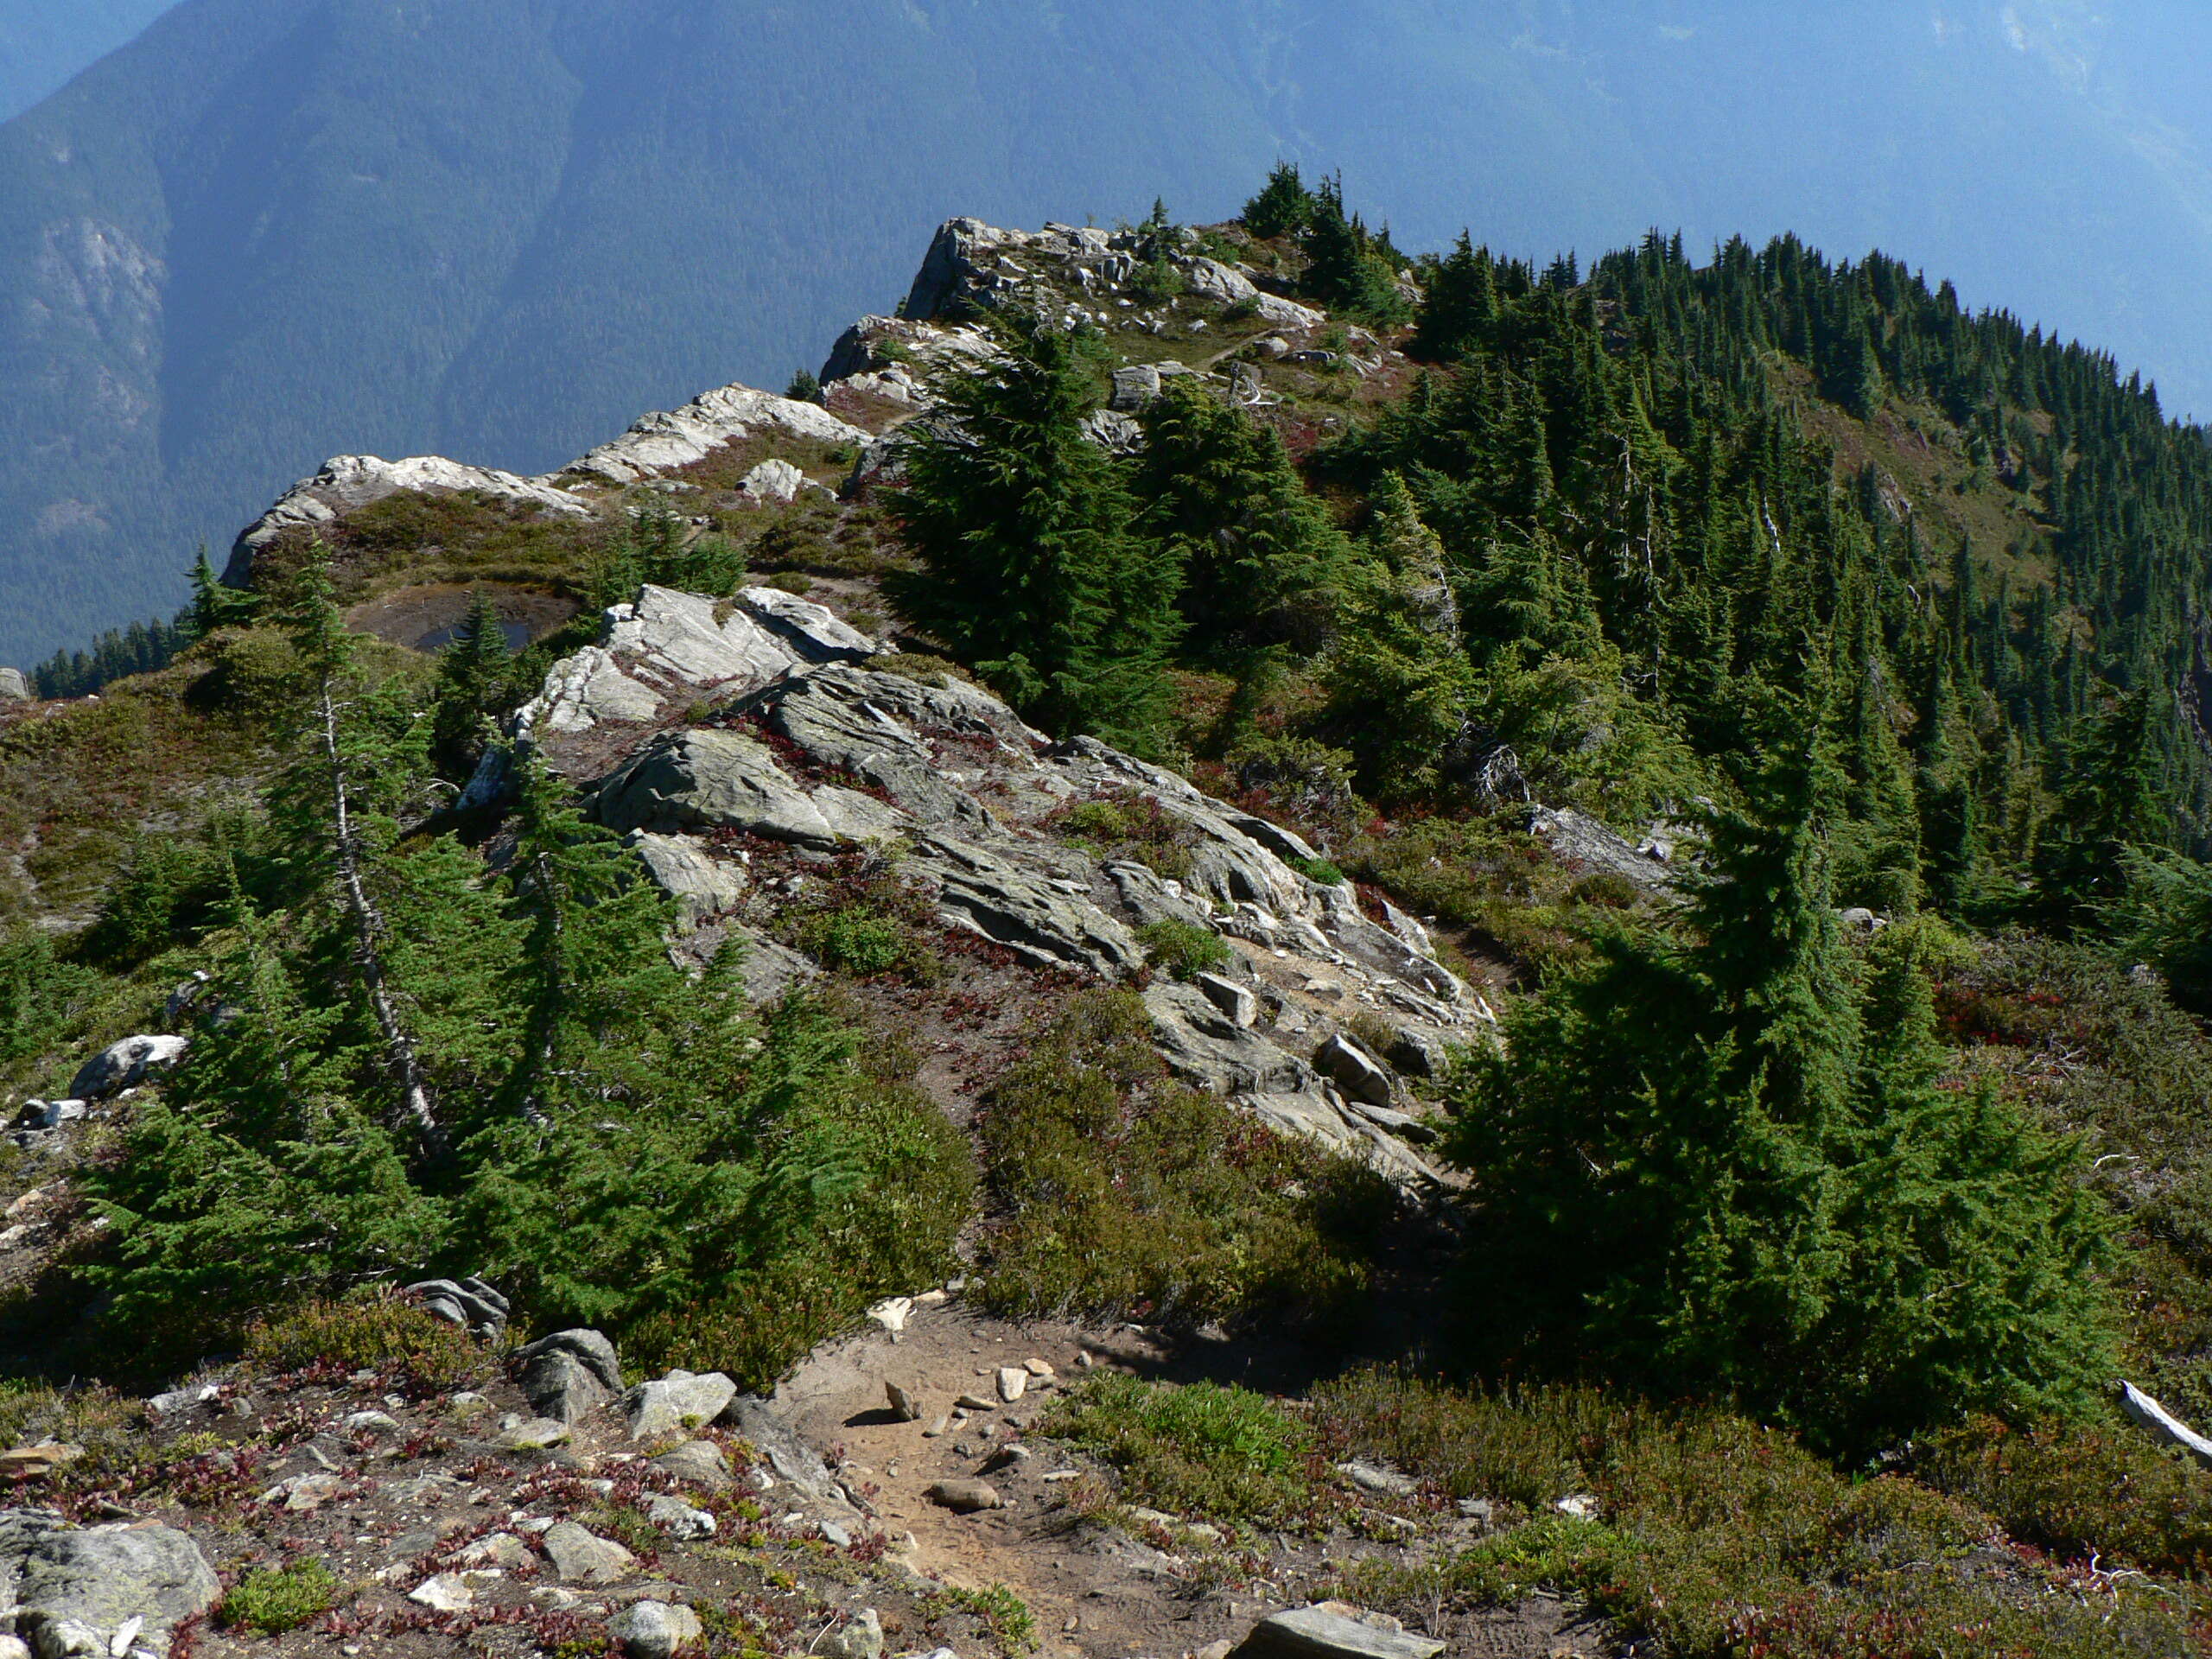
point(44, 42)
point(272, 229)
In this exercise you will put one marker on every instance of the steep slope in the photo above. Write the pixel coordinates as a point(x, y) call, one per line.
point(270, 232)
point(44, 43)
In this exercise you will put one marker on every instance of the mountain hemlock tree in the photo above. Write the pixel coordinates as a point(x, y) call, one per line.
point(1262, 561)
point(1730, 1163)
point(1024, 525)
point(1283, 208)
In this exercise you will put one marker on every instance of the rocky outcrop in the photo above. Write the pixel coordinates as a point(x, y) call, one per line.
point(13, 688)
point(348, 483)
point(1576, 839)
point(726, 780)
point(666, 644)
point(662, 442)
point(807, 741)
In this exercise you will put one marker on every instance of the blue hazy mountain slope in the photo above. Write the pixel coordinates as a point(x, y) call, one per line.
point(44, 42)
point(270, 230)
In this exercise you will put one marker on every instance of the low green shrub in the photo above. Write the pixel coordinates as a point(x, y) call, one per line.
point(1225, 1453)
point(1122, 1192)
point(1013, 1626)
point(858, 941)
point(1318, 869)
point(373, 1333)
point(270, 1600)
point(1718, 1537)
point(1182, 949)
point(1135, 828)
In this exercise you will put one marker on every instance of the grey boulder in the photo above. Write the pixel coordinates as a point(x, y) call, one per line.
point(654, 1630)
point(125, 1066)
point(469, 1303)
point(1354, 1070)
point(676, 1402)
point(583, 1557)
point(569, 1375)
point(78, 1589)
point(726, 780)
point(1322, 1633)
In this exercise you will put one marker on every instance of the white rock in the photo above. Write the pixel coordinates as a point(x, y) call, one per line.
point(1014, 1382)
point(814, 630)
point(348, 483)
point(775, 481)
point(701, 884)
point(676, 1402)
point(679, 1519)
point(13, 688)
point(662, 442)
point(448, 1592)
point(892, 1312)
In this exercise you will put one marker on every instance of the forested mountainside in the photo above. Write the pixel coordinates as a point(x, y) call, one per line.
point(270, 230)
point(1531, 936)
point(44, 43)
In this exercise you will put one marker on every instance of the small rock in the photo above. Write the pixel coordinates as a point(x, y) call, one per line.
point(938, 1427)
point(501, 1549)
point(654, 1630)
point(861, 1638)
point(370, 1422)
point(892, 1312)
point(1014, 1382)
point(584, 1556)
point(31, 1462)
point(448, 1592)
point(965, 1496)
point(1581, 1505)
point(1379, 1479)
point(537, 1435)
point(838, 1537)
point(1236, 1002)
point(902, 1404)
point(1039, 1369)
point(699, 1462)
point(303, 1492)
point(976, 1403)
point(679, 1519)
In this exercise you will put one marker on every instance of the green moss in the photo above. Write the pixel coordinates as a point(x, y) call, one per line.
point(270, 1601)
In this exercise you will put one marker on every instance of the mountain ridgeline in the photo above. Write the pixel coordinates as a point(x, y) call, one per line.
point(1612, 853)
point(268, 231)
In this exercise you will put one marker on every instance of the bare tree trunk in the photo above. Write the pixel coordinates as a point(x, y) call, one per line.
point(368, 938)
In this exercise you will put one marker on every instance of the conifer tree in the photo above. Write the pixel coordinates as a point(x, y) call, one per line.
point(1261, 561)
point(1030, 566)
point(1720, 1162)
point(1283, 208)
point(474, 677)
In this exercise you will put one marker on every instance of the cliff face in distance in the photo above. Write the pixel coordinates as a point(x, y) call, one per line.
point(271, 232)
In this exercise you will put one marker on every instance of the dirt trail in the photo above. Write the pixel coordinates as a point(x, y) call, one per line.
point(1094, 1592)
